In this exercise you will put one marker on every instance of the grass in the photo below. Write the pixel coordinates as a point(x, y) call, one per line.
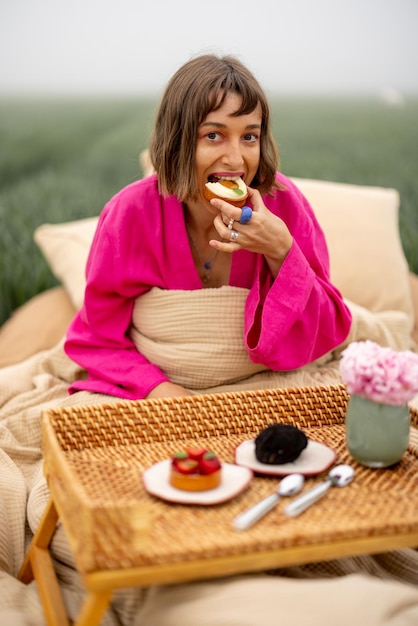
point(62, 160)
point(358, 141)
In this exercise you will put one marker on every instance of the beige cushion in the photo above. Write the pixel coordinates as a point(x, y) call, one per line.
point(413, 283)
point(368, 264)
point(66, 247)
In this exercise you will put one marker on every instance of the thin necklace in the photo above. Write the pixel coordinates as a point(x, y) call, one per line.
point(207, 265)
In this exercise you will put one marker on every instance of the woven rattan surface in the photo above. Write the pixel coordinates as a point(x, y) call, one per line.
point(95, 455)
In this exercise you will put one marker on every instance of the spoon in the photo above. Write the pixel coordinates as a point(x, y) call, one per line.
point(288, 486)
point(339, 476)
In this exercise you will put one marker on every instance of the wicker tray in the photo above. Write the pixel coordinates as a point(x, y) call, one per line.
point(95, 455)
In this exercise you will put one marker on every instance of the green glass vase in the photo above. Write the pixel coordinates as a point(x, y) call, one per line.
point(377, 433)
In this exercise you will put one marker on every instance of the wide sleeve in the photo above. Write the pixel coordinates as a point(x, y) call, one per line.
point(300, 315)
point(98, 338)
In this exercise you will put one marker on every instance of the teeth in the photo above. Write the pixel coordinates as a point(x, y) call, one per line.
point(220, 178)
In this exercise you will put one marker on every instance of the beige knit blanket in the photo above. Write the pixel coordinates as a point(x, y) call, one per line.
point(384, 587)
point(197, 339)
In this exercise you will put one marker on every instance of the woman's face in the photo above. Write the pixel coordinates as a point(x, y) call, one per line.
point(227, 145)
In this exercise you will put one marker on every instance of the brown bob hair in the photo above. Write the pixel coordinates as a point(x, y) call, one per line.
point(197, 88)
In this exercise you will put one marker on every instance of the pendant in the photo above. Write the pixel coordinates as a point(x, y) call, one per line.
point(207, 265)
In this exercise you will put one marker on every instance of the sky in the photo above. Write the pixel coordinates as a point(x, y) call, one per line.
point(132, 47)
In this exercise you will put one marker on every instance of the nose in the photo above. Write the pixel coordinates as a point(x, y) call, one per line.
point(233, 154)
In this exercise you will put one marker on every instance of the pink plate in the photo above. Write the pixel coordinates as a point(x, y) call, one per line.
point(314, 459)
point(234, 480)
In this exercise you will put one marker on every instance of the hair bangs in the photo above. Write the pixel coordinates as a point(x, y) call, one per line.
point(233, 83)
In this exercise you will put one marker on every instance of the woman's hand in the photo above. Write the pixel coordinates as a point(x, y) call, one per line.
point(265, 233)
point(168, 390)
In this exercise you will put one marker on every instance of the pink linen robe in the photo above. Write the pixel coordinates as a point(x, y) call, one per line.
point(141, 242)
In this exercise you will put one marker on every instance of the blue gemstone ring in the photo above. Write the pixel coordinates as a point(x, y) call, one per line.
point(246, 215)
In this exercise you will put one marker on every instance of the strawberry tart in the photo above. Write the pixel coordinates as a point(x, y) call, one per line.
point(195, 469)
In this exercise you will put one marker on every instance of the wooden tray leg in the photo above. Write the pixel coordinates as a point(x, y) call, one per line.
point(38, 564)
point(41, 539)
point(95, 604)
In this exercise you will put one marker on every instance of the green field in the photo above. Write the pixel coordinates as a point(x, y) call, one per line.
point(62, 160)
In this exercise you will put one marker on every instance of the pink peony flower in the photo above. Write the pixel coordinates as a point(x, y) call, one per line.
point(378, 373)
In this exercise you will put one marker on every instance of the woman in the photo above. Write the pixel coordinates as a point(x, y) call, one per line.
point(161, 236)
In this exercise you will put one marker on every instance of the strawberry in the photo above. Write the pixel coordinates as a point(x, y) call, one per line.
point(178, 456)
point(209, 463)
point(187, 466)
point(196, 453)
point(195, 461)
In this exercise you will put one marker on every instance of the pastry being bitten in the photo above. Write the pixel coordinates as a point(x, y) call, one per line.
point(195, 469)
point(231, 189)
point(279, 443)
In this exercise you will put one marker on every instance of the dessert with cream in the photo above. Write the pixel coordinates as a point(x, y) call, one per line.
point(231, 189)
point(195, 469)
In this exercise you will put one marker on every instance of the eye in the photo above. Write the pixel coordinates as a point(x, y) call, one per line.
point(213, 135)
point(251, 137)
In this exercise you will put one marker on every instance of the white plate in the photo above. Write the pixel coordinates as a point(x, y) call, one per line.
point(314, 459)
point(234, 480)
